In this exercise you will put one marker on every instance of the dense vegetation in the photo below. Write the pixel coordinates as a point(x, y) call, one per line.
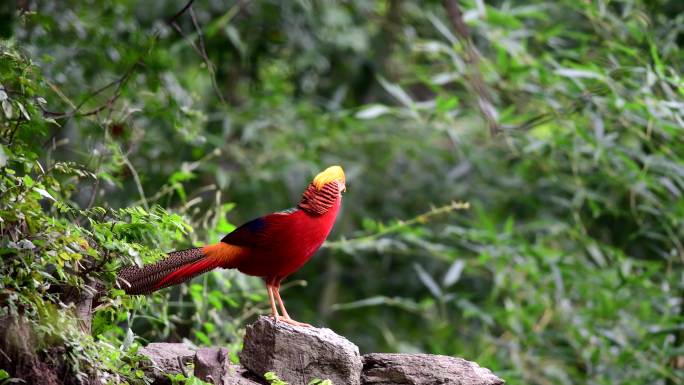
point(133, 128)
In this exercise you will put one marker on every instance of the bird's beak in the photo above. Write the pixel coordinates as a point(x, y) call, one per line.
point(342, 186)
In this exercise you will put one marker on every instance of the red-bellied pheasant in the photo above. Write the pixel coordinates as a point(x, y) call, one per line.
point(271, 247)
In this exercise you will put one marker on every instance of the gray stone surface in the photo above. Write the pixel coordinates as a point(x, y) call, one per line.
point(419, 369)
point(298, 355)
point(168, 358)
point(213, 366)
point(237, 375)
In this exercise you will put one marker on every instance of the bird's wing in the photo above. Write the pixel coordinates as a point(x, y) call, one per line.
point(256, 232)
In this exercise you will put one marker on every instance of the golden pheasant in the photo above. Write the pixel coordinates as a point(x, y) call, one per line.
point(271, 247)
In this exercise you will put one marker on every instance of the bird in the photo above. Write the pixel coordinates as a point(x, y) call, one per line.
point(271, 247)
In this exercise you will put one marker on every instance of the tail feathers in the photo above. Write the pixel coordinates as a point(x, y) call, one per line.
point(178, 267)
point(187, 272)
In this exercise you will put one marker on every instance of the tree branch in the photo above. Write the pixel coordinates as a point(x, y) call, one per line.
point(201, 49)
point(476, 79)
point(173, 18)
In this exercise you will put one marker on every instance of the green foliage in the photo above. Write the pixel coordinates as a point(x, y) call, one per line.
point(318, 381)
point(122, 139)
point(4, 376)
point(180, 379)
point(273, 379)
point(56, 256)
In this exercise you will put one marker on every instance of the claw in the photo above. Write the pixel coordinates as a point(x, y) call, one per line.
point(294, 323)
point(273, 295)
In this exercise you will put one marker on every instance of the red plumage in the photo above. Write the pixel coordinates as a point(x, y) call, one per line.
point(282, 243)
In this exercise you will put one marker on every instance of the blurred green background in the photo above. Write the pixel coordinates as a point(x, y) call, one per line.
point(559, 122)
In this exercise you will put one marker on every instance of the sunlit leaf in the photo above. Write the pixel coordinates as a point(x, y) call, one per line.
point(372, 111)
point(454, 273)
point(428, 281)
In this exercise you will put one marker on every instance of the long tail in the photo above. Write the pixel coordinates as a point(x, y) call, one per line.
point(177, 267)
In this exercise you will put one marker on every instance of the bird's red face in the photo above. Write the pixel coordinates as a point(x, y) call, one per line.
point(341, 186)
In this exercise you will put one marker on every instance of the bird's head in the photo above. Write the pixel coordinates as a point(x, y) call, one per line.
point(324, 192)
point(332, 174)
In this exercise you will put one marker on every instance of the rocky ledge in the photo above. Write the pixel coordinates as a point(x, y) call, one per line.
point(298, 355)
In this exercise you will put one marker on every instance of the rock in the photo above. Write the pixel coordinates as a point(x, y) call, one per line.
point(419, 369)
point(298, 355)
point(167, 358)
point(213, 366)
point(237, 375)
point(210, 364)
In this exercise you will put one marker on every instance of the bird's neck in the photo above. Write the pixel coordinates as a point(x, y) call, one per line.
point(319, 202)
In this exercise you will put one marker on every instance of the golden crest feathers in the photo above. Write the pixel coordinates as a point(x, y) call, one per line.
point(330, 174)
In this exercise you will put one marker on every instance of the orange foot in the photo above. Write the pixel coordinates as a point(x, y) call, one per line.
point(292, 322)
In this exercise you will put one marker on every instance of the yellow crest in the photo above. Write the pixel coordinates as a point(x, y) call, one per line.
point(330, 174)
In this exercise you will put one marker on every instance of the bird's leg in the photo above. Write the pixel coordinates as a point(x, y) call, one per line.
point(286, 317)
point(274, 311)
point(276, 290)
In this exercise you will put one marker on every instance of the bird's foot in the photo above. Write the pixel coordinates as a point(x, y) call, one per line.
point(293, 322)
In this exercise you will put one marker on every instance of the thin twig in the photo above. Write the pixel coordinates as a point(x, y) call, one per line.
point(201, 50)
point(136, 179)
point(96, 188)
point(120, 82)
point(210, 66)
point(200, 37)
point(173, 18)
point(473, 58)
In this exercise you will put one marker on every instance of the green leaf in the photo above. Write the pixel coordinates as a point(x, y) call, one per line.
point(274, 379)
point(428, 281)
point(454, 273)
point(44, 193)
point(23, 111)
point(579, 73)
point(7, 108)
point(372, 111)
point(202, 337)
point(3, 156)
point(397, 92)
point(318, 381)
point(446, 104)
point(181, 176)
